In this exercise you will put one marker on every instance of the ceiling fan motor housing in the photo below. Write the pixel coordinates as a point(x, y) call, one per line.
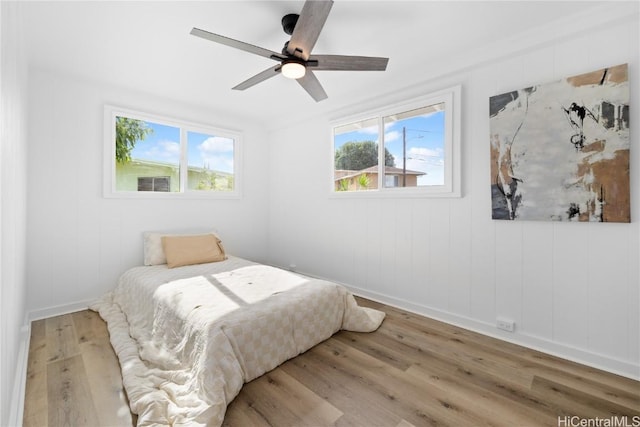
point(289, 22)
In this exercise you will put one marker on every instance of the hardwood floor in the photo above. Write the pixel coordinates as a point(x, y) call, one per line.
point(73, 375)
point(412, 371)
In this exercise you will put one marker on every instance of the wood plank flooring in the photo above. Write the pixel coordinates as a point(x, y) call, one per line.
point(413, 371)
point(73, 375)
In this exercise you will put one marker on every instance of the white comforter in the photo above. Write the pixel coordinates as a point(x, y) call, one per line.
point(188, 338)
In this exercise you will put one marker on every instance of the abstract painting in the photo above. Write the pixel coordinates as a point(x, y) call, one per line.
point(560, 151)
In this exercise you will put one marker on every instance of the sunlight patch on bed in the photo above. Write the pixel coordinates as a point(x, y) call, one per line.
point(226, 291)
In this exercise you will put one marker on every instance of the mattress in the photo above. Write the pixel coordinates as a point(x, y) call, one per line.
point(188, 338)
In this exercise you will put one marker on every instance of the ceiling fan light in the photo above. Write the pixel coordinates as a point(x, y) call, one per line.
point(293, 70)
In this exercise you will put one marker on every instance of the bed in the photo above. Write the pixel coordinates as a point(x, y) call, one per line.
point(189, 336)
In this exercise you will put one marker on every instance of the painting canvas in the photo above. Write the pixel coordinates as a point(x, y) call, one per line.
point(560, 151)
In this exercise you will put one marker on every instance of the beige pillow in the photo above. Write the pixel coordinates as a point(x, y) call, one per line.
point(196, 249)
point(153, 252)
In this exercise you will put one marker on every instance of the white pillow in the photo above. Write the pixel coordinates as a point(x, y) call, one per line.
point(153, 252)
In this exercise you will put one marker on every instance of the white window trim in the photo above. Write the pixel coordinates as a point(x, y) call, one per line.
point(452, 187)
point(109, 179)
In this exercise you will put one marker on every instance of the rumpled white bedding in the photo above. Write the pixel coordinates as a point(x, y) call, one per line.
point(188, 338)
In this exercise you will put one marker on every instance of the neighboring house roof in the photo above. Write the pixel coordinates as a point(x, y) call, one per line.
point(153, 163)
point(191, 168)
point(388, 170)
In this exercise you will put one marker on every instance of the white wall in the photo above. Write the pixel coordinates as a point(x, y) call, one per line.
point(571, 288)
point(13, 176)
point(78, 241)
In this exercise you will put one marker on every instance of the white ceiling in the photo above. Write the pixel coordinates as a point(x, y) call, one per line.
point(146, 46)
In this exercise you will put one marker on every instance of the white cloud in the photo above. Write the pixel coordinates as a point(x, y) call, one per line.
point(164, 150)
point(217, 153)
point(394, 135)
point(216, 145)
point(219, 163)
point(371, 130)
point(423, 152)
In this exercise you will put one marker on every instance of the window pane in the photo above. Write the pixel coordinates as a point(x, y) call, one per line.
point(416, 141)
point(210, 162)
point(155, 183)
point(356, 156)
point(147, 156)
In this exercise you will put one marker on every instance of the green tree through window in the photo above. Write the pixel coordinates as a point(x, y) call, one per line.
point(360, 155)
point(128, 132)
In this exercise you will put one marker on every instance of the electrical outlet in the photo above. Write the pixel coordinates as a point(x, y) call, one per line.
point(505, 324)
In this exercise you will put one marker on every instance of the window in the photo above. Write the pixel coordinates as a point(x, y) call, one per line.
point(154, 183)
point(151, 156)
point(408, 149)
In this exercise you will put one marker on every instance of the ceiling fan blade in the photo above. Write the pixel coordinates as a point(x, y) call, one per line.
point(313, 87)
point(237, 44)
point(349, 63)
point(305, 34)
point(260, 77)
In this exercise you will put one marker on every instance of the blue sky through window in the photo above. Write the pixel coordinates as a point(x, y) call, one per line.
point(203, 150)
point(424, 138)
point(424, 141)
point(211, 152)
point(367, 133)
point(162, 145)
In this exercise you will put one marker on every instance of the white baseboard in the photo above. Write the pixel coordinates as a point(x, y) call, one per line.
point(17, 400)
point(58, 310)
point(598, 361)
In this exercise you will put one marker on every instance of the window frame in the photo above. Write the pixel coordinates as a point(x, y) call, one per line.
point(451, 97)
point(109, 179)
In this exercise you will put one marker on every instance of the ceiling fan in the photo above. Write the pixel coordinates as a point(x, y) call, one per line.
point(296, 61)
